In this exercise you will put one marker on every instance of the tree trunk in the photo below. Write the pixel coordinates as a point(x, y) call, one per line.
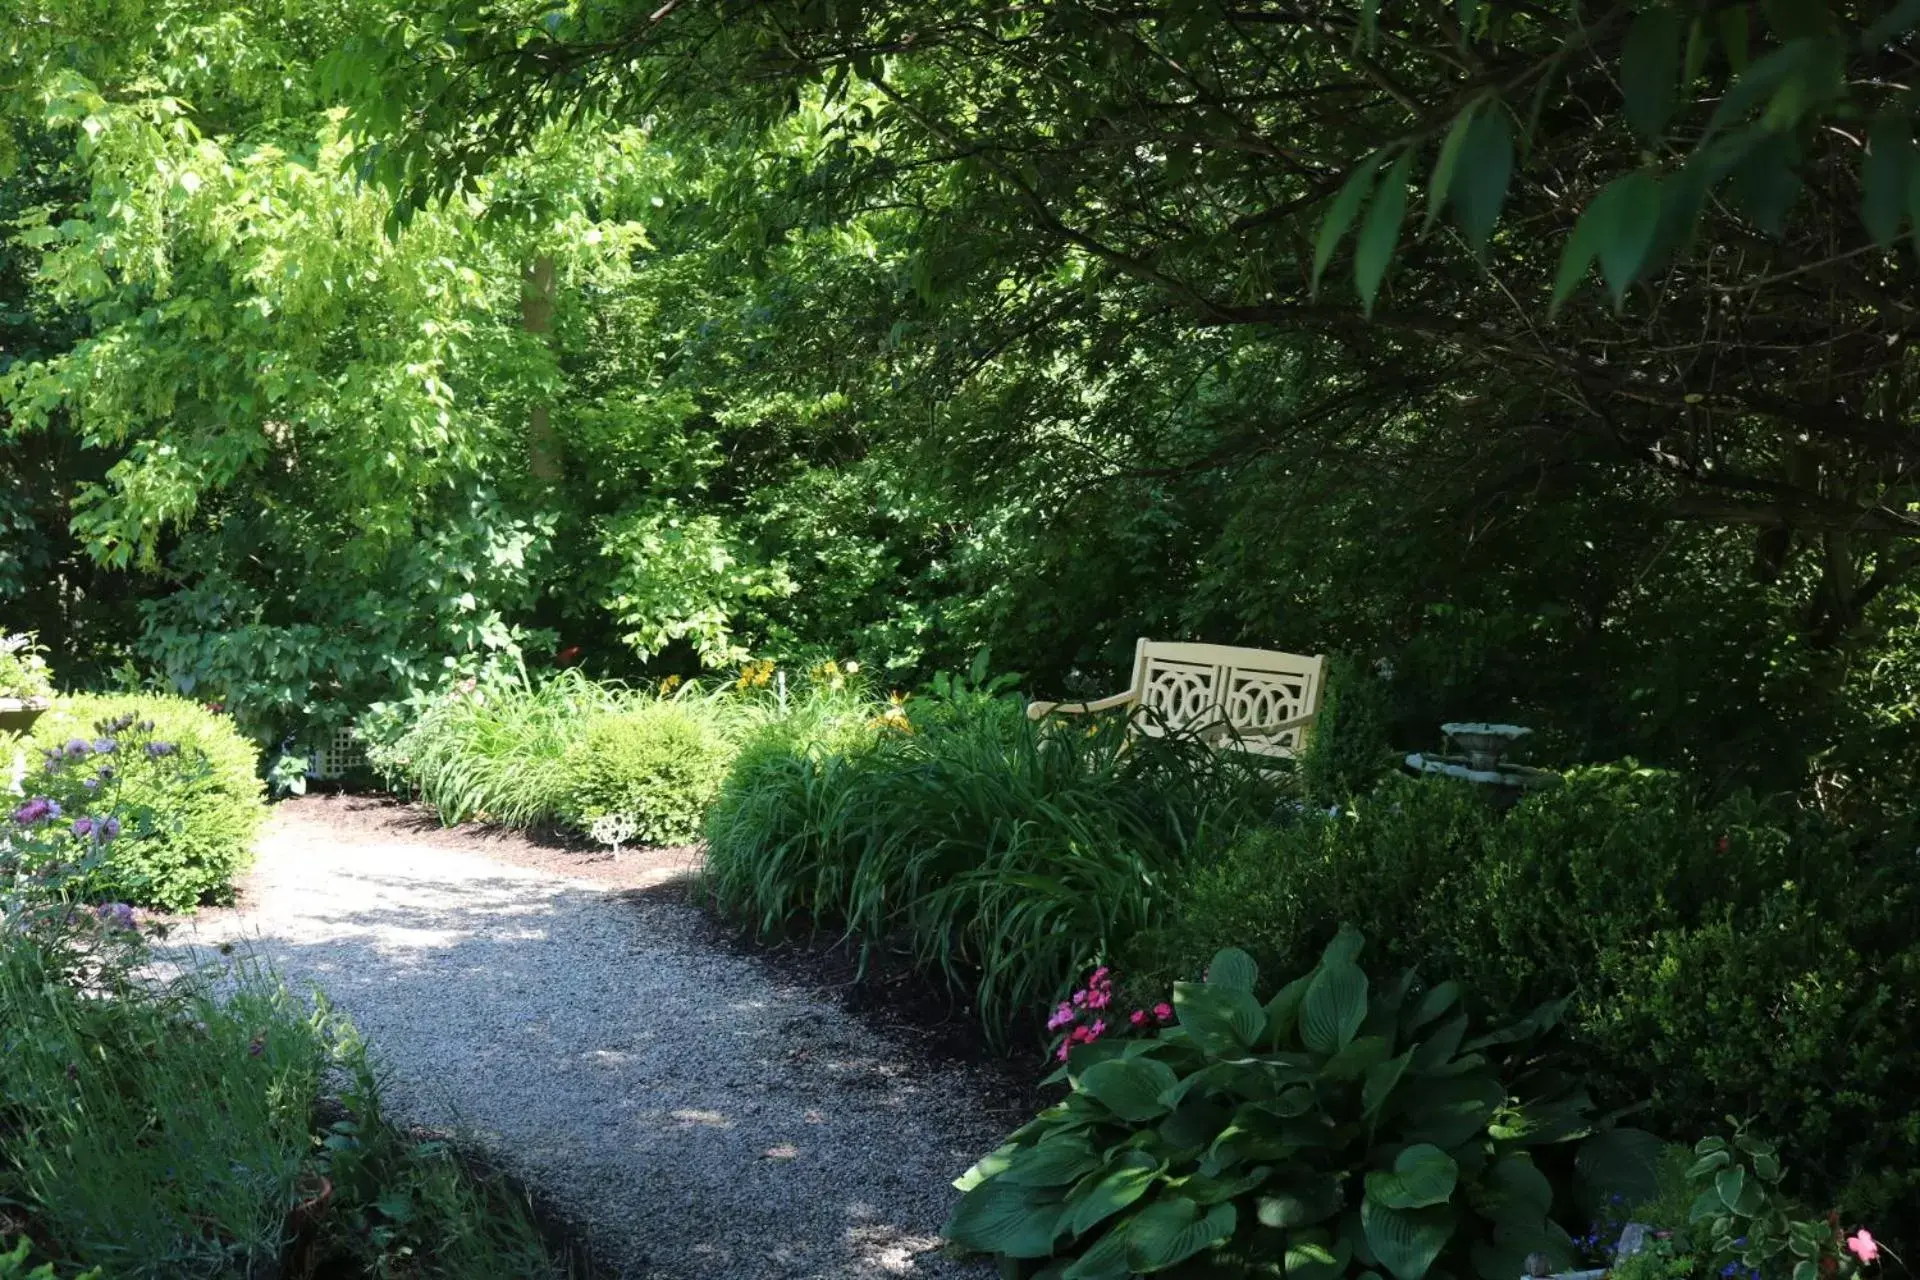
point(536, 316)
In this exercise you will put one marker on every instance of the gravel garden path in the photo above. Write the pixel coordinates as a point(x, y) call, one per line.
point(696, 1112)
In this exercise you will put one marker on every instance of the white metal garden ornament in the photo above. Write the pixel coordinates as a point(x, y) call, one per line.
point(614, 830)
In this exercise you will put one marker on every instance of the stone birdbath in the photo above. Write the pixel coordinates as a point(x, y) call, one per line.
point(1479, 758)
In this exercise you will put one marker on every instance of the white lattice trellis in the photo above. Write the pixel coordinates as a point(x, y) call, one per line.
point(339, 755)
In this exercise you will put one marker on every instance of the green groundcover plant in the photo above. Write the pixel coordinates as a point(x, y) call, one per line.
point(1341, 1127)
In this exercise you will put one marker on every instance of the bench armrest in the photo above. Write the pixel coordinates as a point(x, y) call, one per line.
point(1040, 710)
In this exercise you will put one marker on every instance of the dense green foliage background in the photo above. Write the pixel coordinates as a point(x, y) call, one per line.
point(706, 340)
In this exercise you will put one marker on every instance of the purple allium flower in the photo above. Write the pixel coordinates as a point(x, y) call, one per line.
point(105, 746)
point(77, 748)
point(105, 774)
point(91, 784)
point(158, 749)
point(116, 914)
point(109, 828)
point(83, 826)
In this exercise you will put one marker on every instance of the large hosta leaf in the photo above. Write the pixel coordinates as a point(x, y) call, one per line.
point(1003, 1217)
point(1106, 1194)
point(1421, 1175)
point(1301, 1199)
point(1406, 1241)
point(1222, 1022)
point(1314, 1254)
point(1053, 1163)
point(1171, 1231)
point(1233, 970)
point(1334, 1007)
point(1129, 1087)
point(1513, 1194)
point(1106, 1260)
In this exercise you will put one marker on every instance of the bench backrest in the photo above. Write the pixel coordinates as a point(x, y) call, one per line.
point(1201, 686)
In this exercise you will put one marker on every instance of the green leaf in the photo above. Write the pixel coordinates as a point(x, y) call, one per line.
point(1055, 1162)
point(1341, 213)
point(1129, 1087)
point(1170, 1231)
point(1316, 1255)
point(1233, 970)
point(1435, 1002)
point(1334, 1007)
point(1732, 20)
point(1650, 69)
point(1766, 181)
point(1380, 231)
point(1283, 1011)
point(1354, 1061)
point(1221, 1021)
point(1406, 1241)
point(1445, 163)
point(1095, 1201)
point(1731, 1186)
point(1002, 1217)
point(1695, 60)
point(1708, 1164)
point(1422, 1175)
point(1618, 226)
point(1885, 172)
point(1479, 187)
point(1106, 1260)
point(1381, 1079)
point(1304, 1198)
point(1513, 1194)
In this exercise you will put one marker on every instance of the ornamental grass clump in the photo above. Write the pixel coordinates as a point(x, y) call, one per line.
point(996, 854)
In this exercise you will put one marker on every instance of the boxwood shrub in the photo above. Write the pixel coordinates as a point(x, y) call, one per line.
point(660, 763)
point(204, 804)
point(1723, 957)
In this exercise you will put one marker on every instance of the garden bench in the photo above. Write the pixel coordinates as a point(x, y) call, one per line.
point(1256, 700)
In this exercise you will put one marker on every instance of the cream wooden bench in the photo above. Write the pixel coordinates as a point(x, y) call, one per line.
point(1256, 699)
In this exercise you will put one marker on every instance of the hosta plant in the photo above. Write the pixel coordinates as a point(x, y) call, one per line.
point(1341, 1127)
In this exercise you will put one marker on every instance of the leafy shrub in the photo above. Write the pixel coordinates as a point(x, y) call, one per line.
point(23, 668)
point(1721, 957)
point(659, 762)
point(190, 776)
point(1339, 1127)
point(1348, 751)
point(1001, 854)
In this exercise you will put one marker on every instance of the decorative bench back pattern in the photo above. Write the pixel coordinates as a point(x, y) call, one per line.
point(1255, 691)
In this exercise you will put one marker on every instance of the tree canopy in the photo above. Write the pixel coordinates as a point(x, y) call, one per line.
point(1555, 356)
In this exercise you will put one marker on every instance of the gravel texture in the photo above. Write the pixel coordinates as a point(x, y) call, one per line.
point(696, 1112)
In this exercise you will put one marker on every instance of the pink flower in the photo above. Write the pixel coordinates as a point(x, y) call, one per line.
point(1863, 1246)
point(1099, 976)
point(1098, 1029)
point(1163, 1011)
point(1061, 1016)
point(1079, 997)
point(1061, 1056)
point(1099, 999)
point(1138, 1017)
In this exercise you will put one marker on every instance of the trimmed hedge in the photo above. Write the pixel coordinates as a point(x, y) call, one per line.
point(658, 763)
point(205, 804)
point(1723, 958)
